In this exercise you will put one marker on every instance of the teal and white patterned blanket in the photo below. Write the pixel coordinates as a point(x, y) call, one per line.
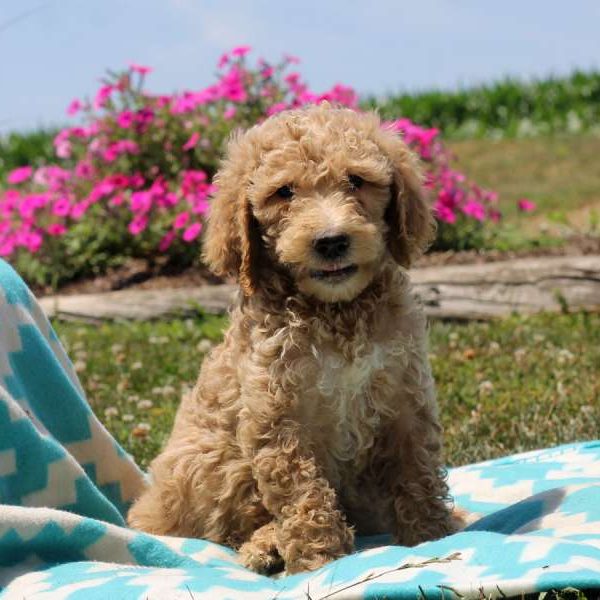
point(65, 486)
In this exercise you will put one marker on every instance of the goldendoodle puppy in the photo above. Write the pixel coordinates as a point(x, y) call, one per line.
point(316, 418)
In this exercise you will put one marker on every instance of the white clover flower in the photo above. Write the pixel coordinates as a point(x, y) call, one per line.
point(520, 354)
point(145, 404)
point(127, 418)
point(494, 347)
point(111, 411)
point(204, 346)
point(79, 366)
point(565, 356)
point(116, 348)
point(486, 387)
point(136, 366)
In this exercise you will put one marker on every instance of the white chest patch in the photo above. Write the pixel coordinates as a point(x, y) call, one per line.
point(351, 406)
point(340, 375)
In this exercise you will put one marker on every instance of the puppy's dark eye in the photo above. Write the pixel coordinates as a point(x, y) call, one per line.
point(355, 181)
point(285, 192)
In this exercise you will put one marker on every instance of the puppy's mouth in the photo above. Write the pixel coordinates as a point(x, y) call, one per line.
point(334, 274)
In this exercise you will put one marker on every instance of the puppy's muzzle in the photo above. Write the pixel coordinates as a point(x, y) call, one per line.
point(332, 247)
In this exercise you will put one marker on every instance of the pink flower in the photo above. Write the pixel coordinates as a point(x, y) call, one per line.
point(526, 205)
point(181, 220)
point(7, 246)
point(276, 108)
point(29, 206)
point(192, 232)
point(125, 119)
point(200, 206)
point(117, 200)
point(166, 241)
point(144, 116)
point(229, 113)
point(78, 210)
point(74, 107)
point(474, 209)
point(138, 224)
point(63, 149)
point(237, 94)
point(192, 141)
point(445, 213)
point(118, 180)
point(100, 190)
point(140, 69)
point(115, 150)
point(61, 207)
point(19, 175)
point(240, 51)
point(141, 202)
point(223, 60)
point(267, 71)
point(103, 96)
point(192, 180)
point(31, 240)
point(56, 229)
point(84, 170)
point(136, 181)
point(292, 78)
point(53, 177)
point(495, 216)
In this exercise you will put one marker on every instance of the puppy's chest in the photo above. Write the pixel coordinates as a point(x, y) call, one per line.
point(351, 397)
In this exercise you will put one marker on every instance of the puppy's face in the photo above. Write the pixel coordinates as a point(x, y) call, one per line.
point(320, 199)
point(324, 194)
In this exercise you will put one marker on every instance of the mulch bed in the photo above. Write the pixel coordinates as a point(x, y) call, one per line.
point(136, 274)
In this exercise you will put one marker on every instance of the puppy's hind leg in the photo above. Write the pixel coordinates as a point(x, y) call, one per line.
point(260, 553)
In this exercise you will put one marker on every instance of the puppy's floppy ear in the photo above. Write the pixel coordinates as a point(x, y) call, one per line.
point(408, 215)
point(232, 240)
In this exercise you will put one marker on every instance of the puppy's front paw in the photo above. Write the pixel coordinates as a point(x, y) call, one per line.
point(310, 556)
point(260, 559)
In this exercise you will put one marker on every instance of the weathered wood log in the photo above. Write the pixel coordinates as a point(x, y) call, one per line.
point(140, 305)
point(482, 291)
point(522, 286)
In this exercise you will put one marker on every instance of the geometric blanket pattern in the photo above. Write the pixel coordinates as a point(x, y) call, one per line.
point(65, 487)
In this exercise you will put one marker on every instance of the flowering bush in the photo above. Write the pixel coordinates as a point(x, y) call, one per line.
point(133, 179)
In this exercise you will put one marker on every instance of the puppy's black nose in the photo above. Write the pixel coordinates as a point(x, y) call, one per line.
point(332, 247)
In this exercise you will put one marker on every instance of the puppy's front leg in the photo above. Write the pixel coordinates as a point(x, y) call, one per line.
point(417, 482)
point(311, 529)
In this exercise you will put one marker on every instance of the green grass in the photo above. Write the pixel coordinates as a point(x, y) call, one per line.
point(503, 387)
point(561, 174)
